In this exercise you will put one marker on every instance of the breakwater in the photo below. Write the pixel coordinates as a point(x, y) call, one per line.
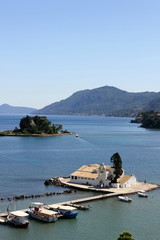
point(21, 197)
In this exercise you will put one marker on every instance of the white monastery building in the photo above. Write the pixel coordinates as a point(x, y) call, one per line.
point(100, 175)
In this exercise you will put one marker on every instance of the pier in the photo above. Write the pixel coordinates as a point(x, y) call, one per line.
point(105, 193)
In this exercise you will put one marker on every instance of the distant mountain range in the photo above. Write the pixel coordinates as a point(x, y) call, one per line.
point(108, 101)
point(7, 109)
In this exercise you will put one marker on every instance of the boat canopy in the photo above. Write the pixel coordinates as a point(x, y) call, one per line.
point(48, 212)
point(19, 214)
point(62, 207)
point(36, 204)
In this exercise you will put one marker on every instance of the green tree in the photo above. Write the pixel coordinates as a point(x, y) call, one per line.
point(38, 125)
point(25, 123)
point(125, 236)
point(117, 165)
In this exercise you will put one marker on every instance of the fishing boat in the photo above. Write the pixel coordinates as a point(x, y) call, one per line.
point(142, 194)
point(40, 212)
point(17, 219)
point(124, 198)
point(65, 211)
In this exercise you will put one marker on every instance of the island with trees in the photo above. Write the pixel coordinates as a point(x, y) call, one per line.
point(125, 236)
point(36, 126)
point(149, 120)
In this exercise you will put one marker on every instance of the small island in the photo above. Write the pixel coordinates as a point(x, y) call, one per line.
point(36, 126)
point(150, 120)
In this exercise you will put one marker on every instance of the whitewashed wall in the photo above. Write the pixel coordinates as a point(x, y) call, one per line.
point(130, 182)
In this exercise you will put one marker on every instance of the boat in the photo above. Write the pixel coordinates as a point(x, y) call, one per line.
point(40, 212)
point(124, 198)
point(3, 220)
point(77, 135)
point(65, 211)
point(17, 219)
point(142, 194)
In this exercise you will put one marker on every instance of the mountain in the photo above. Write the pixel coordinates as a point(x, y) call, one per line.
point(8, 109)
point(108, 101)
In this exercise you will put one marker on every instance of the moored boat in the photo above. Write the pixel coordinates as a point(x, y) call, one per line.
point(66, 211)
point(124, 198)
point(39, 212)
point(3, 220)
point(142, 194)
point(17, 219)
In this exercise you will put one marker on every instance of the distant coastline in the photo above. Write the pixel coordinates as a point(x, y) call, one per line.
point(11, 133)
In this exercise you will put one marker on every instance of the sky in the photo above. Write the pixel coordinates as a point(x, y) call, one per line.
point(50, 49)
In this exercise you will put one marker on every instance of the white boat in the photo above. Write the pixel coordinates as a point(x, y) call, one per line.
point(142, 194)
point(39, 212)
point(18, 219)
point(3, 220)
point(124, 198)
point(77, 135)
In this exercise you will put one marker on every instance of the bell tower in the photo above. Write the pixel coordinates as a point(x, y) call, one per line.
point(102, 174)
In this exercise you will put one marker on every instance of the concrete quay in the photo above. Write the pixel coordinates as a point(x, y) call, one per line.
point(118, 191)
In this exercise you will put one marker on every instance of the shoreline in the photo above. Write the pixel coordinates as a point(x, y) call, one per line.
point(64, 182)
point(11, 134)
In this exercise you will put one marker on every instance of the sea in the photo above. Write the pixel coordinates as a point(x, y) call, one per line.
point(26, 162)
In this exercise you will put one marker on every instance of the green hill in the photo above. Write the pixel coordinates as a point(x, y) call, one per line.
point(108, 101)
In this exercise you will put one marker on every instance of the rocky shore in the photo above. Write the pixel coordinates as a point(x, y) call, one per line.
point(55, 181)
point(12, 133)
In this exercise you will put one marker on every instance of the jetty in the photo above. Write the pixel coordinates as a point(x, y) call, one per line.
point(105, 193)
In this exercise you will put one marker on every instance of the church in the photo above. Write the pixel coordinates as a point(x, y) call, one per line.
point(100, 175)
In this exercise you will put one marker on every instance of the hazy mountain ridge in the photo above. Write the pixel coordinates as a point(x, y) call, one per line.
point(109, 101)
point(8, 109)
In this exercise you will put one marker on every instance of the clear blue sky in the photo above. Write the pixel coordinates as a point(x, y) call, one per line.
point(50, 49)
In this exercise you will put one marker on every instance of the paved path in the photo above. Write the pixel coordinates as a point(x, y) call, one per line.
point(129, 190)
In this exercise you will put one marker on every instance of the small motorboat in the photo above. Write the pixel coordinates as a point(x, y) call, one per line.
point(3, 220)
point(65, 211)
point(142, 194)
point(77, 135)
point(124, 198)
point(17, 219)
point(40, 212)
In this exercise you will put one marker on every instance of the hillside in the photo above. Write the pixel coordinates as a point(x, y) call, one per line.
point(8, 109)
point(109, 101)
point(149, 119)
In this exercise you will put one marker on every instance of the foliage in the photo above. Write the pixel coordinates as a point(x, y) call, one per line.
point(149, 119)
point(125, 236)
point(117, 165)
point(37, 125)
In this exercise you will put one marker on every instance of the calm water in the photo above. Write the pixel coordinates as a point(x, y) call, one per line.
point(25, 163)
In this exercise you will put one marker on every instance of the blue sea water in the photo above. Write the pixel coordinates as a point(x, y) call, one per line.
point(25, 162)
